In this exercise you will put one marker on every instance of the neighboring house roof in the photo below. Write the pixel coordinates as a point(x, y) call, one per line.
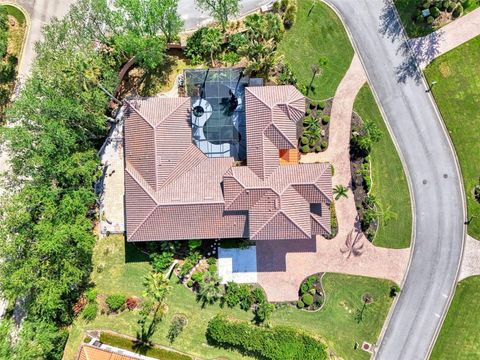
point(93, 353)
point(173, 191)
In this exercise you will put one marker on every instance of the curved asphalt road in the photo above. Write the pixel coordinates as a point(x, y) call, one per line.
point(432, 170)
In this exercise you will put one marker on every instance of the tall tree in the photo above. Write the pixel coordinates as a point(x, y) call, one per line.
point(170, 22)
point(220, 10)
point(212, 39)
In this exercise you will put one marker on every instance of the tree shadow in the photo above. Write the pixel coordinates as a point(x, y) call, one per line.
point(415, 51)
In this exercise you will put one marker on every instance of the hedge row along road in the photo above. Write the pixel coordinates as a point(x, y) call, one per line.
point(433, 173)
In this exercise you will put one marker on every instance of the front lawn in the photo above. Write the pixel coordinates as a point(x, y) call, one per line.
point(458, 338)
point(389, 184)
point(337, 323)
point(457, 93)
point(320, 33)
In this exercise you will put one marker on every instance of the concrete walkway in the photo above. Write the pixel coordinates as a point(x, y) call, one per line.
point(349, 252)
point(471, 259)
point(450, 36)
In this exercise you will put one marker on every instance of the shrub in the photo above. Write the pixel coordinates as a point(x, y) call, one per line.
point(426, 5)
point(91, 295)
point(324, 145)
point(161, 261)
point(90, 311)
point(179, 321)
point(195, 48)
point(275, 343)
point(290, 16)
point(312, 291)
point(211, 261)
point(276, 7)
point(451, 6)
point(304, 288)
point(304, 140)
point(318, 148)
point(189, 283)
point(131, 303)
point(194, 245)
point(231, 297)
point(263, 312)
point(236, 41)
point(458, 11)
point(445, 5)
point(213, 268)
point(259, 296)
point(115, 302)
point(321, 105)
point(394, 290)
point(476, 193)
point(197, 276)
point(325, 119)
point(300, 304)
point(435, 12)
point(307, 299)
point(245, 297)
point(186, 267)
point(305, 149)
point(430, 20)
point(312, 142)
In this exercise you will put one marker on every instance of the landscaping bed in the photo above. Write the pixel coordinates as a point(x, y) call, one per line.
point(314, 129)
point(361, 178)
point(421, 17)
point(311, 293)
point(387, 173)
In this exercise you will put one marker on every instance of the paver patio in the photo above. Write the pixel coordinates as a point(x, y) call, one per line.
point(283, 266)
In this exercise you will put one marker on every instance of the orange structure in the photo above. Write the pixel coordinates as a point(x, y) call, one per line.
point(289, 156)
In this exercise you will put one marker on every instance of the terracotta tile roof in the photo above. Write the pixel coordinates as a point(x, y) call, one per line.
point(92, 353)
point(173, 191)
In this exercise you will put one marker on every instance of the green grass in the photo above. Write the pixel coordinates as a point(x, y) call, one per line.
point(319, 34)
point(458, 338)
point(335, 323)
point(389, 184)
point(407, 8)
point(123, 343)
point(16, 13)
point(457, 94)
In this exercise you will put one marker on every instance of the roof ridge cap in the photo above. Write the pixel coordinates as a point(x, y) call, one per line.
point(131, 106)
point(294, 222)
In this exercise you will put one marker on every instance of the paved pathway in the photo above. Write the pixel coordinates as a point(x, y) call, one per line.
point(446, 38)
point(471, 259)
point(432, 171)
point(359, 257)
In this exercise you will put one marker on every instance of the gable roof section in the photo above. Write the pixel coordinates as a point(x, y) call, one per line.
point(93, 353)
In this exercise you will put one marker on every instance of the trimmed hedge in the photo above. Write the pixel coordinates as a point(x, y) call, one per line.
point(276, 343)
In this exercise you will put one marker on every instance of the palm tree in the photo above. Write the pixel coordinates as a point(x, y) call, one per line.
point(157, 286)
point(210, 290)
point(340, 191)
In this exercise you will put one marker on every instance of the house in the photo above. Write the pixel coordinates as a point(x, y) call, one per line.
point(176, 189)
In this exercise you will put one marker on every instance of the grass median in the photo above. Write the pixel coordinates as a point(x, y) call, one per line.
point(389, 183)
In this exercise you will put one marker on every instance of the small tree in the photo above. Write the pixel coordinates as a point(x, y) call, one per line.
point(263, 312)
point(169, 21)
point(220, 10)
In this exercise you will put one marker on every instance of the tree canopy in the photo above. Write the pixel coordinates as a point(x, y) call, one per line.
point(220, 10)
point(58, 122)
